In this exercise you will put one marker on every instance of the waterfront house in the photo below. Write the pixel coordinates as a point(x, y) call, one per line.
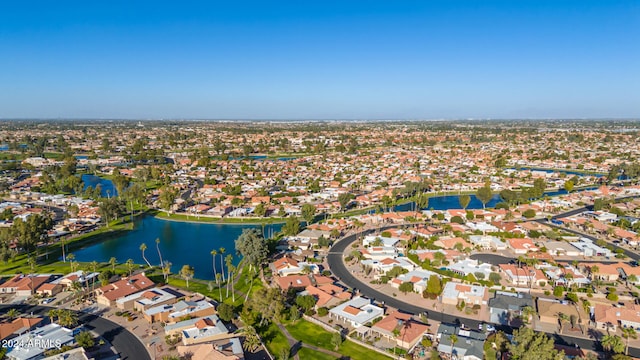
point(356, 312)
point(109, 294)
point(409, 331)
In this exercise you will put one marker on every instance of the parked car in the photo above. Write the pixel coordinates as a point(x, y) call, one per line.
point(48, 300)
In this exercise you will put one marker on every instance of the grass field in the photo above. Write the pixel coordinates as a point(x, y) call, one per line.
point(313, 334)
point(305, 353)
point(215, 220)
point(273, 338)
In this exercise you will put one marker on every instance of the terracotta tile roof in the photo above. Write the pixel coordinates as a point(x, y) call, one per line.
point(351, 310)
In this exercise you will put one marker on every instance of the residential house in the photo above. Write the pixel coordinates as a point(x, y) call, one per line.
point(226, 349)
point(23, 285)
point(409, 331)
point(18, 326)
point(356, 312)
point(609, 317)
point(561, 248)
point(522, 276)
point(109, 294)
point(454, 293)
point(144, 300)
point(469, 266)
point(179, 310)
point(49, 336)
point(506, 306)
point(470, 344)
point(548, 310)
point(383, 266)
point(521, 245)
point(418, 277)
point(488, 242)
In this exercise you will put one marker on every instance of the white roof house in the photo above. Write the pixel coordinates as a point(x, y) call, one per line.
point(47, 337)
point(204, 329)
point(356, 312)
point(470, 266)
point(386, 241)
point(488, 242)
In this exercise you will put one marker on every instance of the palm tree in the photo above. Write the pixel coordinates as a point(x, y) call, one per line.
point(228, 261)
point(71, 257)
point(251, 339)
point(52, 314)
point(454, 339)
point(214, 253)
point(143, 247)
point(218, 276)
point(130, 266)
point(94, 266)
point(113, 263)
point(187, 273)
point(562, 318)
point(222, 251)
point(166, 270)
point(13, 313)
point(232, 270)
point(628, 332)
point(159, 254)
point(527, 313)
point(67, 318)
point(76, 287)
point(612, 343)
point(594, 271)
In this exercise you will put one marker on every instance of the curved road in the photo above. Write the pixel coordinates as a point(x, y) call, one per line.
point(127, 344)
point(339, 269)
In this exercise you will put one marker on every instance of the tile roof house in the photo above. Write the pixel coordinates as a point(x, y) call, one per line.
point(109, 294)
point(18, 325)
point(548, 310)
point(522, 276)
point(181, 309)
point(227, 349)
point(609, 317)
point(410, 330)
point(23, 285)
point(454, 292)
point(521, 245)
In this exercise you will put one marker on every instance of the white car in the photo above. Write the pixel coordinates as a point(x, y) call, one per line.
point(48, 300)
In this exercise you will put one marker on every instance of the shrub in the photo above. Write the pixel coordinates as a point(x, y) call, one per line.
point(558, 291)
point(323, 311)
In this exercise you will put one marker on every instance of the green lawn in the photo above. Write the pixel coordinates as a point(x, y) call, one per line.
point(313, 334)
point(305, 353)
point(215, 220)
point(273, 339)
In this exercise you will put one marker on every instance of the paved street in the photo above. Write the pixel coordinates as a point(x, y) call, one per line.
point(337, 266)
point(127, 344)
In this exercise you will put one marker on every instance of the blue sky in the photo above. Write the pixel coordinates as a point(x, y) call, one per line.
point(320, 59)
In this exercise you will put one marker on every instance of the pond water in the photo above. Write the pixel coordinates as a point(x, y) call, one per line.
point(107, 187)
point(180, 243)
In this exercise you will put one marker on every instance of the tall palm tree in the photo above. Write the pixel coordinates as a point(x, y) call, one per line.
point(214, 253)
point(228, 261)
point(94, 267)
point(454, 339)
point(187, 273)
point(71, 257)
point(612, 343)
point(222, 251)
point(130, 265)
point(143, 247)
point(628, 332)
point(159, 254)
point(166, 270)
point(218, 276)
point(232, 269)
point(527, 313)
point(562, 318)
point(113, 263)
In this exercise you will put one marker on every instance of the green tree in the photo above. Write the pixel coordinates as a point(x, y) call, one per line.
point(130, 266)
point(529, 213)
point(434, 287)
point(113, 262)
point(344, 199)
point(306, 302)
point(308, 213)
point(484, 194)
point(612, 343)
point(12, 313)
point(464, 201)
point(225, 312)
point(336, 340)
point(406, 287)
point(85, 339)
point(568, 185)
point(187, 273)
point(251, 339)
point(251, 245)
point(628, 333)
point(531, 345)
point(291, 226)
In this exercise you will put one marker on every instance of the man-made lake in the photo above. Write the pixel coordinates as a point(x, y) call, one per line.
point(180, 243)
point(107, 187)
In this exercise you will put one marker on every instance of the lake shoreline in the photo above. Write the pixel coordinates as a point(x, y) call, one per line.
point(214, 221)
